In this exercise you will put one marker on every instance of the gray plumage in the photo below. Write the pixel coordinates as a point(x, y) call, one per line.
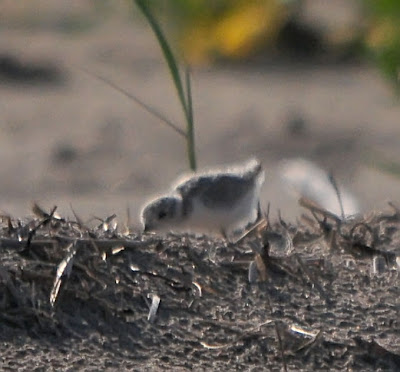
point(221, 200)
point(219, 190)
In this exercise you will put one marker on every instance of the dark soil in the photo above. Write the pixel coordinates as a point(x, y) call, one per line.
point(329, 301)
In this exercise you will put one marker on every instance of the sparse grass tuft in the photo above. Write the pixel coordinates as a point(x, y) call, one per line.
point(183, 88)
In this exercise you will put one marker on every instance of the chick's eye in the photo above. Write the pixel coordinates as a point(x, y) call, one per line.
point(161, 215)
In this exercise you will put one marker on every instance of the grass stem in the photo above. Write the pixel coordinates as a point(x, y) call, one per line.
point(185, 98)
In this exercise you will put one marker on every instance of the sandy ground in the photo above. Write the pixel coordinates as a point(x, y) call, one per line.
point(80, 142)
point(76, 141)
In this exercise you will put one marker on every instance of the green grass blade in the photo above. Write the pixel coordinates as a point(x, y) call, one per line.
point(146, 107)
point(189, 96)
point(190, 122)
point(168, 55)
point(185, 99)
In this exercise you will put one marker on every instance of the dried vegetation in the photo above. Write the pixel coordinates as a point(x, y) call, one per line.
point(322, 294)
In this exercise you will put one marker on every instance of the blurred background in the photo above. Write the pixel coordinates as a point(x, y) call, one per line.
point(317, 80)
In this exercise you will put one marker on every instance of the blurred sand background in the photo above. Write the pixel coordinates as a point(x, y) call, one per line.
point(77, 141)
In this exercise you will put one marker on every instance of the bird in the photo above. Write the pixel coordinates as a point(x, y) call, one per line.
point(222, 201)
point(308, 180)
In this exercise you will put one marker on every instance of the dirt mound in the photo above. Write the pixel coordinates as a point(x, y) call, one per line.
point(322, 295)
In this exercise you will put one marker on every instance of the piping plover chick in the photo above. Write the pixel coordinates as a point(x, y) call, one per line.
point(220, 200)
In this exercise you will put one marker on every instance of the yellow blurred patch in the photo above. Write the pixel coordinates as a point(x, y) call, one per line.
point(236, 33)
point(383, 33)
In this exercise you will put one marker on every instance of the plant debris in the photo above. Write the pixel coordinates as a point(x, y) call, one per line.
point(318, 296)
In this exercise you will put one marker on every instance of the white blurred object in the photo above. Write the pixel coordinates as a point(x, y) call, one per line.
point(312, 182)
